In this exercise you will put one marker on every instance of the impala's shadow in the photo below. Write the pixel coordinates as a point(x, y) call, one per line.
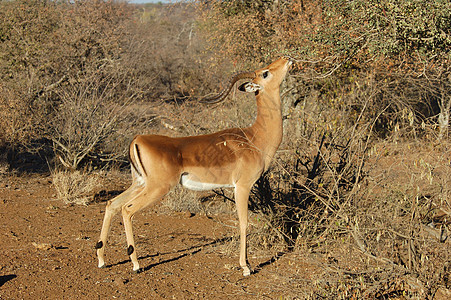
point(193, 250)
point(170, 259)
point(126, 261)
point(273, 259)
point(182, 253)
point(5, 278)
point(104, 196)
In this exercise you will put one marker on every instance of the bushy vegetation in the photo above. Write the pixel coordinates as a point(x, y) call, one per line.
point(365, 161)
point(71, 72)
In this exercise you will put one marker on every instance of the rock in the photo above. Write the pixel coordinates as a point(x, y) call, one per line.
point(42, 246)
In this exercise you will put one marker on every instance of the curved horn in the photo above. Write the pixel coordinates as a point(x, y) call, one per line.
point(223, 94)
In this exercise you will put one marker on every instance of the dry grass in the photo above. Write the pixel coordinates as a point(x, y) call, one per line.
point(180, 199)
point(75, 187)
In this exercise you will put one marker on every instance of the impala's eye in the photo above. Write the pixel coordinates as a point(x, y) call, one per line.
point(265, 74)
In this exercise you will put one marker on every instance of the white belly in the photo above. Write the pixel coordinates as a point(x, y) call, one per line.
point(191, 184)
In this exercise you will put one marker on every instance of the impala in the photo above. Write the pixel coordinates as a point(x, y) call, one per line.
point(232, 158)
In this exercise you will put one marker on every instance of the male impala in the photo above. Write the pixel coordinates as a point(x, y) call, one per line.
point(229, 158)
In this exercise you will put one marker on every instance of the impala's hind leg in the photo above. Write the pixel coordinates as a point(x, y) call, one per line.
point(148, 196)
point(112, 208)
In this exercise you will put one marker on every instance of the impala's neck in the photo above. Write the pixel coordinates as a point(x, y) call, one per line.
point(267, 129)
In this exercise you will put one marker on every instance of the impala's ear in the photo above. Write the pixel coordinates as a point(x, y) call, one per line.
point(249, 87)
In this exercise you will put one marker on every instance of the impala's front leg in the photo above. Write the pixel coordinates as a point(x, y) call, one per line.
point(241, 200)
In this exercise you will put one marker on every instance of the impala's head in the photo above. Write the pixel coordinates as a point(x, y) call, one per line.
point(268, 78)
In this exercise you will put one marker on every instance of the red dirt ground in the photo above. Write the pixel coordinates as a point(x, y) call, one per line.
point(47, 252)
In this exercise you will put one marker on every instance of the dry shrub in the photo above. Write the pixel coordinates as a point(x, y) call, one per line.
point(266, 235)
point(390, 239)
point(75, 187)
point(45, 46)
point(166, 54)
point(410, 210)
point(86, 122)
point(53, 53)
point(4, 166)
point(19, 123)
point(410, 66)
point(345, 193)
point(180, 200)
point(339, 189)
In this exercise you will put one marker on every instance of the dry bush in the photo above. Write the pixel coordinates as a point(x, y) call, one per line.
point(16, 119)
point(180, 200)
point(390, 240)
point(75, 187)
point(166, 55)
point(410, 205)
point(46, 45)
point(404, 44)
point(55, 51)
point(377, 210)
point(337, 189)
point(4, 165)
point(320, 193)
point(86, 123)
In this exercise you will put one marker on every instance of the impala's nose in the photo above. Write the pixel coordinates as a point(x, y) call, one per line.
point(290, 64)
point(289, 60)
